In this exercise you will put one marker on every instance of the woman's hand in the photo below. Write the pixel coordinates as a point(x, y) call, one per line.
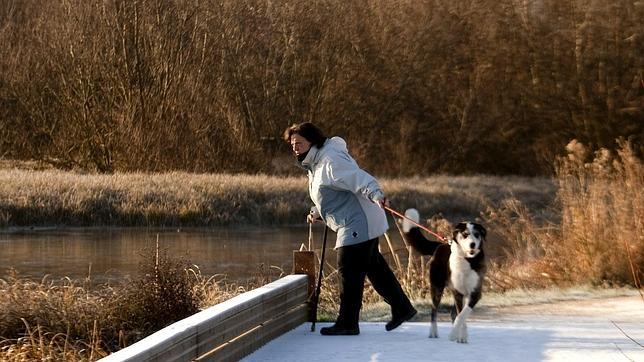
point(313, 220)
point(313, 217)
point(381, 200)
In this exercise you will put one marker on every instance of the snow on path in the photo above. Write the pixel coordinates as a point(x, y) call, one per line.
point(566, 331)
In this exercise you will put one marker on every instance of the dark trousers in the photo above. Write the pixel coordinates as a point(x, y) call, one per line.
point(354, 263)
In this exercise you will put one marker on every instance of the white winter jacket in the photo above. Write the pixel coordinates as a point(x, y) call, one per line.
point(344, 195)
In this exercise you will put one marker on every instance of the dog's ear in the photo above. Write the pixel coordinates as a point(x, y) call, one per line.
point(459, 228)
point(481, 229)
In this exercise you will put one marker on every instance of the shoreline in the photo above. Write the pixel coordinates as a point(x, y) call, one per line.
point(91, 228)
point(53, 199)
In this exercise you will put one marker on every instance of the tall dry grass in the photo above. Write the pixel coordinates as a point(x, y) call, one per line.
point(602, 226)
point(599, 238)
point(67, 320)
point(50, 320)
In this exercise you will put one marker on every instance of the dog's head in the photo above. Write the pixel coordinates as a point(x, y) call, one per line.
point(470, 237)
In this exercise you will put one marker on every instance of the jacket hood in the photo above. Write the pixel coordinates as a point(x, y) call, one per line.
point(336, 143)
point(333, 144)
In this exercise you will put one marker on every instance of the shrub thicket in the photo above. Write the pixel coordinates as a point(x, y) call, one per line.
point(459, 86)
point(162, 294)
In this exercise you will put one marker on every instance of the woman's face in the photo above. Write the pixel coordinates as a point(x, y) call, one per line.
point(299, 144)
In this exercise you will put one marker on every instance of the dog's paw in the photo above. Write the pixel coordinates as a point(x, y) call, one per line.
point(459, 334)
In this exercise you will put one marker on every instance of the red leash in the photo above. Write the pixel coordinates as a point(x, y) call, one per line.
point(440, 237)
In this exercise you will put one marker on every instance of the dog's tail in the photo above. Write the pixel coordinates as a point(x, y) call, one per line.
point(415, 237)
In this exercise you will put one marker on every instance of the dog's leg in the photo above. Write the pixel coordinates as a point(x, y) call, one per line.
point(459, 331)
point(458, 305)
point(474, 298)
point(437, 295)
point(438, 278)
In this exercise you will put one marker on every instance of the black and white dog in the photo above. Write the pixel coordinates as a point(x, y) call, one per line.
point(459, 265)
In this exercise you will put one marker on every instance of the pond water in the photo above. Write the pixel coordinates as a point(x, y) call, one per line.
point(113, 254)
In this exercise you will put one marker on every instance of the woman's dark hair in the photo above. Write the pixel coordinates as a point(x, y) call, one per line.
point(307, 130)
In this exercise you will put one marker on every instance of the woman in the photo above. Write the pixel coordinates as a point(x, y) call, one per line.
point(351, 202)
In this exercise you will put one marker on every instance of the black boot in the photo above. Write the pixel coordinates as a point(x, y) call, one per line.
point(335, 330)
point(398, 319)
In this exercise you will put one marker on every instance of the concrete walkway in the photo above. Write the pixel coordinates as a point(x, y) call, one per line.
point(598, 330)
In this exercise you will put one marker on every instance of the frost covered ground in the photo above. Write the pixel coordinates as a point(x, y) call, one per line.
point(607, 329)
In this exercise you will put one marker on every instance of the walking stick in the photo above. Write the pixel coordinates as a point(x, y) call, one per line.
point(310, 237)
point(316, 296)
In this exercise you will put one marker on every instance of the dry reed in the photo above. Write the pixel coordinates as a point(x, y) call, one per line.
point(71, 321)
point(599, 237)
